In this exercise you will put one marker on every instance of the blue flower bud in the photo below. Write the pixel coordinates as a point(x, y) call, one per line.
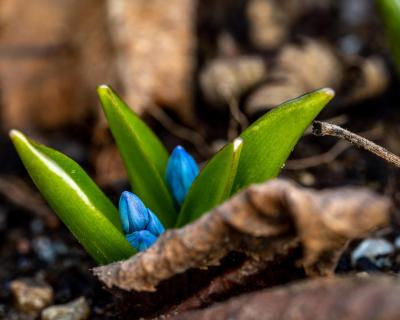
point(140, 225)
point(154, 225)
point(180, 174)
point(141, 240)
point(134, 215)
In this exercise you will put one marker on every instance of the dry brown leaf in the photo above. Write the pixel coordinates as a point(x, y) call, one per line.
point(298, 69)
point(154, 43)
point(333, 298)
point(225, 78)
point(312, 65)
point(270, 21)
point(263, 221)
point(365, 79)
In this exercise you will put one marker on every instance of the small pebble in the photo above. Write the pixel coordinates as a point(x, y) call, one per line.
point(23, 246)
point(397, 243)
point(31, 295)
point(307, 179)
point(37, 226)
point(350, 44)
point(374, 250)
point(48, 250)
point(75, 310)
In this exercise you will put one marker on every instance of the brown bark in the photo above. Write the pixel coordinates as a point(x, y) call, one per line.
point(155, 52)
point(333, 298)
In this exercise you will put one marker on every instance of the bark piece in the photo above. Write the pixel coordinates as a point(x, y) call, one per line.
point(262, 222)
point(49, 57)
point(77, 309)
point(155, 52)
point(31, 295)
point(332, 298)
point(251, 275)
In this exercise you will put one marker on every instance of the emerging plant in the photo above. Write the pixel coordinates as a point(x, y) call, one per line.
point(169, 190)
point(390, 14)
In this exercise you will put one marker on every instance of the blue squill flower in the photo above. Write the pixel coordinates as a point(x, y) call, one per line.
point(140, 225)
point(180, 174)
point(141, 240)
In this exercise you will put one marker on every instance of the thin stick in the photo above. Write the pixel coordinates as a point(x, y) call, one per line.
point(237, 118)
point(314, 161)
point(180, 131)
point(328, 129)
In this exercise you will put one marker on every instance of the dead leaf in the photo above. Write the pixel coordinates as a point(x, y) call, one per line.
point(271, 21)
point(225, 78)
point(297, 69)
point(333, 298)
point(312, 65)
point(262, 222)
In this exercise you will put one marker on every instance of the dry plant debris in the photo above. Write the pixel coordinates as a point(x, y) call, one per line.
point(157, 66)
point(328, 129)
point(31, 295)
point(263, 221)
point(270, 21)
point(332, 298)
point(229, 78)
point(298, 69)
point(49, 58)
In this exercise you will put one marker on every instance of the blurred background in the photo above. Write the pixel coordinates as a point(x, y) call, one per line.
point(198, 72)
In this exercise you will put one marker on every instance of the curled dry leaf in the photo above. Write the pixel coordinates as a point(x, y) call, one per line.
point(262, 221)
point(297, 69)
point(226, 78)
point(365, 78)
point(331, 298)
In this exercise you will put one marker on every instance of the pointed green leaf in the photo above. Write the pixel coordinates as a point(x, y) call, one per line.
point(144, 156)
point(390, 13)
point(270, 140)
point(76, 199)
point(213, 185)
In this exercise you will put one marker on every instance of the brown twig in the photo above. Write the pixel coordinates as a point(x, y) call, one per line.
point(23, 196)
point(180, 131)
point(313, 161)
point(330, 155)
point(328, 129)
point(237, 118)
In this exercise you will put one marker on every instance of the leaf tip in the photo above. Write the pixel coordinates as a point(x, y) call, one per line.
point(237, 143)
point(17, 135)
point(328, 92)
point(104, 91)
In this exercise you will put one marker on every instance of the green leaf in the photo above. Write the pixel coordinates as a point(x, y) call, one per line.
point(144, 156)
point(213, 185)
point(270, 140)
point(390, 13)
point(76, 199)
